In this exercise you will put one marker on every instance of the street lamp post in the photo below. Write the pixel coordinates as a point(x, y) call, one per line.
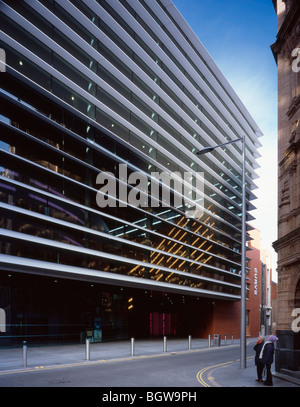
point(243, 266)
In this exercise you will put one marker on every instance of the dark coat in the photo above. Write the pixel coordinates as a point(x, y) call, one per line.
point(257, 349)
point(268, 354)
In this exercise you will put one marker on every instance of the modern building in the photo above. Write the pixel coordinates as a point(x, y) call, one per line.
point(286, 51)
point(91, 89)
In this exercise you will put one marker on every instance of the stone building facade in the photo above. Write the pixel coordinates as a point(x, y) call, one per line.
point(286, 51)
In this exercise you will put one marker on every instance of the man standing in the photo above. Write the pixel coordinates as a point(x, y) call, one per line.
point(267, 357)
point(258, 362)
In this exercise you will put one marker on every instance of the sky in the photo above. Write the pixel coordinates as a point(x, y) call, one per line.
point(238, 35)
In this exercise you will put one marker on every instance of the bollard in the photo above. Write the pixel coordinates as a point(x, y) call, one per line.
point(225, 339)
point(132, 346)
point(209, 341)
point(190, 342)
point(231, 339)
point(165, 344)
point(87, 349)
point(24, 354)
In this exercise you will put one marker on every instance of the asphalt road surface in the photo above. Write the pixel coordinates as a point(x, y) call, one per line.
point(148, 378)
point(173, 369)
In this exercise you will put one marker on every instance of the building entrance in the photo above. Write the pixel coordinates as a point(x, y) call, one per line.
point(162, 324)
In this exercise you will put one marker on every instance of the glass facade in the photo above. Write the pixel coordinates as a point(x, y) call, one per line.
point(92, 85)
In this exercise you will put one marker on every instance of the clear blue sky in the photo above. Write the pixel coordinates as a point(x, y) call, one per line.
point(238, 35)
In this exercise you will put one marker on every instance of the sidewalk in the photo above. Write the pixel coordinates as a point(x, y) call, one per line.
point(12, 358)
point(231, 375)
point(223, 375)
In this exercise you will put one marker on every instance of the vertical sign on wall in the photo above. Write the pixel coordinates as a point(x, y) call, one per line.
point(255, 281)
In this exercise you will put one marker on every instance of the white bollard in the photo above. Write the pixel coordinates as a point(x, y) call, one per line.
point(165, 344)
point(132, 346)
point(24, 354)
point(87, 349)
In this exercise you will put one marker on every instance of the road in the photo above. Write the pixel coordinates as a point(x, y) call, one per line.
point(175, 369)
point(179, 372)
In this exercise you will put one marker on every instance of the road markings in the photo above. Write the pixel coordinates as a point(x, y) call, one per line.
point(202, 371)
point(210, 370)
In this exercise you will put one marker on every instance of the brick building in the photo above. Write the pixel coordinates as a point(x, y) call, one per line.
point(260, 291)
point(254, 285)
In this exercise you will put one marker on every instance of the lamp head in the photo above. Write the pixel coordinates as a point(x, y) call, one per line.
point(205, 150)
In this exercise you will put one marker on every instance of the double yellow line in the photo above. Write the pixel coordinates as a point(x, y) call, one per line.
point(201, 372)
point(204, 370)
